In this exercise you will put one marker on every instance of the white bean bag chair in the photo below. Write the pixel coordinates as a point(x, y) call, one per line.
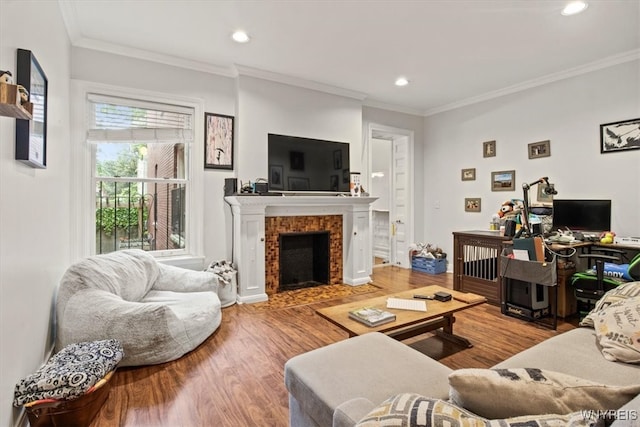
point(156, 311)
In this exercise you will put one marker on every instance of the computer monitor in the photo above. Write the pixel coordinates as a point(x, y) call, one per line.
point(582, 215)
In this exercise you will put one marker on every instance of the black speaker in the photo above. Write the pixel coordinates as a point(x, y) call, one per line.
point(509, 228)
point(261, 187)
point(230, 186)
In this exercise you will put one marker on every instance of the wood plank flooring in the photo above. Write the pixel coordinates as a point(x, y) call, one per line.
point(235, 378)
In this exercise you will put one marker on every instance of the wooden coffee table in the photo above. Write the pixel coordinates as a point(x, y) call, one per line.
point(439, 316)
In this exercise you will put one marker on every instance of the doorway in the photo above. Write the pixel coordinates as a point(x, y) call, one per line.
point(390, 180)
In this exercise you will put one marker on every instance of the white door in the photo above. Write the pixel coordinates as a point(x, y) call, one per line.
point(400, 194)
point(400, 225)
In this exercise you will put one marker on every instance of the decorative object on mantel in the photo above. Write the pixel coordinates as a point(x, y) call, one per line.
point(469, 174)
point(31, 135)
point(539, 149)
point(620, 136)
point(6, 77)
point(218, 141)
point(355, 186)
point(489, 149)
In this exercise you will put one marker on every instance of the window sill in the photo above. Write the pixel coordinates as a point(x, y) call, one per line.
point(190, 262)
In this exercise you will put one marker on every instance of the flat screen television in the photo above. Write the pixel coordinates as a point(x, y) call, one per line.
point(298, 164)
point(582, 215)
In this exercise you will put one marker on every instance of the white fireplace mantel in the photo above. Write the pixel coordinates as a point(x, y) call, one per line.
point(250, 211)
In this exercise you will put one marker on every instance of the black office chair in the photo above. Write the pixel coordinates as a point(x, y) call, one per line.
point(592, 284)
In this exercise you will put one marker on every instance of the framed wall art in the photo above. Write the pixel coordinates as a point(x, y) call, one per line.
point(296, 159)
point(489, 149)
point(472, 204)
point(298, 184)
point(503, 181)
point(539, 149)
point(337, 159)
point(218, 141)
point(31, 135)
point(620, 136)
point(469, 174)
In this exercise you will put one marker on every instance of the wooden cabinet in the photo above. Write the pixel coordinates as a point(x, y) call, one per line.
point(476, 263)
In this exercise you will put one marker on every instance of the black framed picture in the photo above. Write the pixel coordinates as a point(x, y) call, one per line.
point(218, 141)
point(620, 136)
point(298, 184)
point(31, 135)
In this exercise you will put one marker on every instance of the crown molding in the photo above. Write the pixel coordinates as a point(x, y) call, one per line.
point(373, 103)
point(629, 56)
point(243, 70)
point(70, 18)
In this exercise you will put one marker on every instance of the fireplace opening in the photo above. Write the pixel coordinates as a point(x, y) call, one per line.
point(304, 260)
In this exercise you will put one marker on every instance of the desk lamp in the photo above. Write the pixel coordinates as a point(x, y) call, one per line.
point(549, 189)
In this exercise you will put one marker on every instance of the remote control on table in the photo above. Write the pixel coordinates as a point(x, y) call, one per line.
point(423, 296)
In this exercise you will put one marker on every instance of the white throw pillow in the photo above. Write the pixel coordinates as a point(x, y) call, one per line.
point(618, 331)
point(503, 393)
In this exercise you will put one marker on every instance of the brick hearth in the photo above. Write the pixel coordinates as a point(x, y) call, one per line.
point(296, 224)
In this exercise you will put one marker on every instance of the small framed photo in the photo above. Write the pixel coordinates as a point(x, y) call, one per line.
point(218, 141)
point(469, 174)
point(539, 149)
point(489, 149)
point(472, 204)
point(275, 177)
point(544, 197)
point(620, 136)
point(503, 181)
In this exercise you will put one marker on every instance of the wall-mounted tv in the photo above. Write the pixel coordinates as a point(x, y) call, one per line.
point(582, 215)
point(298, 164)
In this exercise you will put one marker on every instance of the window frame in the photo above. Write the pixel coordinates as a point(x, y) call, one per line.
point(83, 156)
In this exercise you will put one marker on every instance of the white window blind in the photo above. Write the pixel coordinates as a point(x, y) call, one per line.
point(126, 120)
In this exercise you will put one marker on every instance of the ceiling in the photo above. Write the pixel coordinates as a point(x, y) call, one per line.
point(454, 52)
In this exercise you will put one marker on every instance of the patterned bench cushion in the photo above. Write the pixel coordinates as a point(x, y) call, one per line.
point(70, 372)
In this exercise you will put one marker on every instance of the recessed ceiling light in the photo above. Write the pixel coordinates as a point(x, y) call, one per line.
point(574, 7)
point(402, 81)
point(240, 37)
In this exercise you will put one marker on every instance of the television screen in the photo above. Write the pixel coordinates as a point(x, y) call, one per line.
point(299, 164)
point(582, 215)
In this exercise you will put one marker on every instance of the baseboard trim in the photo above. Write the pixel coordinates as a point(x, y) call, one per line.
point(253, 298)
point(357, 282)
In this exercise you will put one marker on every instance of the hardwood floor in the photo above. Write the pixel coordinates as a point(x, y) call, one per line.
point(235, 378)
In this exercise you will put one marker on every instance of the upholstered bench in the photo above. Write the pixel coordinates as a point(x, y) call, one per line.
point(72, 386)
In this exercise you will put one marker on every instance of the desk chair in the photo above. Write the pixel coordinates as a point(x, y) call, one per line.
point(591, 285)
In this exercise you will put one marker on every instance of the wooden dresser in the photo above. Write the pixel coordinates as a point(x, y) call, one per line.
point(476, 263)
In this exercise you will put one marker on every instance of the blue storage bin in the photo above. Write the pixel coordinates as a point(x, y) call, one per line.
point(428, 265)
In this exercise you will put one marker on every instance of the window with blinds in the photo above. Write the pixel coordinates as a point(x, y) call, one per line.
point(141, 175)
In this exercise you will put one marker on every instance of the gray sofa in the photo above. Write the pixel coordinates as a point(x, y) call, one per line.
point(339, 384)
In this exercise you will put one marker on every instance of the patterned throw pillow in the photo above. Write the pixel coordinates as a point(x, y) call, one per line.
point(622, 292)
point(618, 331)
point(70, 372)
point(502, 393)
point(413, 410)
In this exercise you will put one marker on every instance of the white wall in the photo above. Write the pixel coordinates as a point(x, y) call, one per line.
point(35, 203)
point(268, 107)
point(568, 113)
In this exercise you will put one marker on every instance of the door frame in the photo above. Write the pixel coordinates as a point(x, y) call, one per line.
point(395, 133)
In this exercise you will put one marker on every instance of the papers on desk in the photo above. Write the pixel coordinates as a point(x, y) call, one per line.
point(522, 254)
point(407, 304)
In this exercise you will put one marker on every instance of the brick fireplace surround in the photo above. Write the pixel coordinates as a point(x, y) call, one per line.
point(295, 224)
point(258, 221)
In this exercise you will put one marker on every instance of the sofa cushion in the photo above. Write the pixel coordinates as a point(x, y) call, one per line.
point(501, 393)
point(622, 292)
point(409, 409)
point(575, 353)
point(618, 330)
